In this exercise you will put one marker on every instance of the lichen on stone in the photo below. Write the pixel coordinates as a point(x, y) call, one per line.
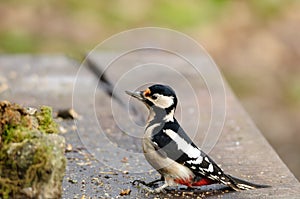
point(32, 161)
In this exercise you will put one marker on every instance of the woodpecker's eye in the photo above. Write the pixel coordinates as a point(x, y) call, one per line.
point(154, 97)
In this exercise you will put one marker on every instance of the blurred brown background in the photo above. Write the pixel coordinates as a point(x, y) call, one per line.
point(256, 43)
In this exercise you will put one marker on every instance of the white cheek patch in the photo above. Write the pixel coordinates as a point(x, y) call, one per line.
point(163, 101)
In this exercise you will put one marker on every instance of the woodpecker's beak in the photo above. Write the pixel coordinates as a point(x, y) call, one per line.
point(138, 95)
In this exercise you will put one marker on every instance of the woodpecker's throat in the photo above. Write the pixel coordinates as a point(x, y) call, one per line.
point(157, 115)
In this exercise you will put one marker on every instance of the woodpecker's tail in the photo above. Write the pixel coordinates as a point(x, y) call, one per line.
point(239, 184)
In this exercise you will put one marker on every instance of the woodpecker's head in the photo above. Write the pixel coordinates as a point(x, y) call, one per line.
point(157, 97)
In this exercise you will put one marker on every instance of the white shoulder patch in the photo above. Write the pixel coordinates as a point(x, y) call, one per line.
point(191, 151)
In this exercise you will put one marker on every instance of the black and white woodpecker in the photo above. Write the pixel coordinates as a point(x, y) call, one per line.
point(171, 151)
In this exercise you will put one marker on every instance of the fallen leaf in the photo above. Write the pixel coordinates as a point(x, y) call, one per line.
point(125, 192)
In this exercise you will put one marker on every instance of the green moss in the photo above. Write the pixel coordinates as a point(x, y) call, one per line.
point(15, 134)
point(45, 120)
point(32, 161)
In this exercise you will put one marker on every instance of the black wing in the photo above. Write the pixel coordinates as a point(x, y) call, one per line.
point(174, 143)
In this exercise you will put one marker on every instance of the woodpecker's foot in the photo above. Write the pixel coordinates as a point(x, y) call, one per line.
point(137, 182)
point(149, 184)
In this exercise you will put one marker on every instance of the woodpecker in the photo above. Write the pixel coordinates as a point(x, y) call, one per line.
point(170, 151)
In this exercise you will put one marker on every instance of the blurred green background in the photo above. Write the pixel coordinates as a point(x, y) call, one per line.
point(256, 43)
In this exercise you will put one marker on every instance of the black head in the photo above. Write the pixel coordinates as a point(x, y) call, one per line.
point(157, 96)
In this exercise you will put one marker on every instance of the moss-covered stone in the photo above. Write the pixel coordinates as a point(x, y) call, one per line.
point(32, 161)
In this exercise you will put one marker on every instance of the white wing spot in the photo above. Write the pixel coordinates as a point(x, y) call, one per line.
point(206, 159)
point(210, 168)
point(214, 177)
point(197, 161)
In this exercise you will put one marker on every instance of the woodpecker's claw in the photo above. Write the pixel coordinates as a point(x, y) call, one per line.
point(149, 184)
point(137, 182)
